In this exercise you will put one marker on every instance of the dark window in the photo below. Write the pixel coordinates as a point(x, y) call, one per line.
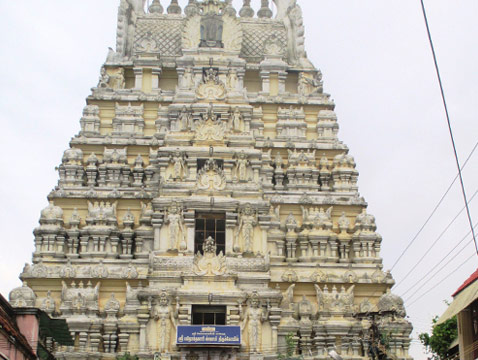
point(202, 162)
point(210, 225)
point(209, 315)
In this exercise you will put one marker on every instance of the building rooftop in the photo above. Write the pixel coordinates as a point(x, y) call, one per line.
point(8, 324)
point(467, 283)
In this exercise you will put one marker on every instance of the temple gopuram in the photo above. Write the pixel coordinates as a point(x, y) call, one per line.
point(207, 209)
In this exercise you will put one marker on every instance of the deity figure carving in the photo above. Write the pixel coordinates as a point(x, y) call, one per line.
point(117, 80)
point(241, 170)
point(104, 81)
point(185, 120)
point(232, 79)
point(211, 88)
point(254, 317)
point(344, 223)
point(211, 177)
point(48, 304)
point(177, 233)
point(236, 120)
point(166, 317)
point(180, 168)
point(274, 212)
point(209, 263)
point(247, 221)
point(310, 86)
point(188, 78)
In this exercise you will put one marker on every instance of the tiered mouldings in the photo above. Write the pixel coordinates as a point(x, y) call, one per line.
point(214, 111)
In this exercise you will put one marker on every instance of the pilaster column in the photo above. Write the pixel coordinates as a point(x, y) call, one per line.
point(266, 82)
point(143, 340)
point(138, 78)
point(156, 73)
point(282, 79)
point(157, 223)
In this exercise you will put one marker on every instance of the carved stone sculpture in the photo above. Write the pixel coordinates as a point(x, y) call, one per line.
point(166, 317)
point(180, 169)
point(247, 222)
point(211, 177)
point(254, 317)
point(177, 234)
point(242, 168)
point(209, 263)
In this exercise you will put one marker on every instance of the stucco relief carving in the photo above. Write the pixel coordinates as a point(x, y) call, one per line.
point(79, 299)
point(290, 276)
point(166, 317)
point(245, 231)
point(208, 263)
point(310, 85)
point(232, 34)
point(242, 171)
point(340, 302)
point(191, 37)
point(392, 303)
point(22, 296)
point(319, 277)
point(210, 127)
point(254, 317)
point(211, 88)
point(211, 177)
point(180, 170)
point(48, 304)
point(177, 235)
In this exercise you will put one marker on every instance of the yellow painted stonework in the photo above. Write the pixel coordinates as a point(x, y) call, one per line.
point(208, 176)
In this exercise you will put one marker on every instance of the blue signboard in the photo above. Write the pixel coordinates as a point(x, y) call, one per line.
point(209, 335)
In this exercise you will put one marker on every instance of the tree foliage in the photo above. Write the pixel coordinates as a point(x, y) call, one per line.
point(127, 356)
point(291, 346)
point(441, 338)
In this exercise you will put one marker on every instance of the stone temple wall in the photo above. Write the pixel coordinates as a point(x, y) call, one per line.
point(208, 172)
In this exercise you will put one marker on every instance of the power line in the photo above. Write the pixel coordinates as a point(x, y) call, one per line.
point(435, 242)
point(435, 208)
point(436, 265)
point(441, 281)
point(449, 125)
point(439, 270)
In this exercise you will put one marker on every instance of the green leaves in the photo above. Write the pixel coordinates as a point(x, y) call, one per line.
point(127, 356)
point(442, 337)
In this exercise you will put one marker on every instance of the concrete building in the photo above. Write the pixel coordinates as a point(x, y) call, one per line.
point(27, 333)
point(465, 308)
point(207, 209)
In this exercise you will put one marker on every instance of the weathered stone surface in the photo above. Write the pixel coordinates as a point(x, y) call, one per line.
point(210, 113)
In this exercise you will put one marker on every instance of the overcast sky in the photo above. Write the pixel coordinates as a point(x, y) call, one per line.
point(377, 65)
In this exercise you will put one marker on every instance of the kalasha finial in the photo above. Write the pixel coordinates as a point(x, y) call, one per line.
point(265, 11)
point(229, 9)
point(191, 8)
point(246, 11)
point(156, 7)
point(174, 8)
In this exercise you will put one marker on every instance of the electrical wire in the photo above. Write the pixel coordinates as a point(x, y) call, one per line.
point(449, 125)
point(438, 264)
point(435, 208)
point(440, 282)
point(435, 242)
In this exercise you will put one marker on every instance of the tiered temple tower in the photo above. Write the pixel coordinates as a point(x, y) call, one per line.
point(207, 209)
